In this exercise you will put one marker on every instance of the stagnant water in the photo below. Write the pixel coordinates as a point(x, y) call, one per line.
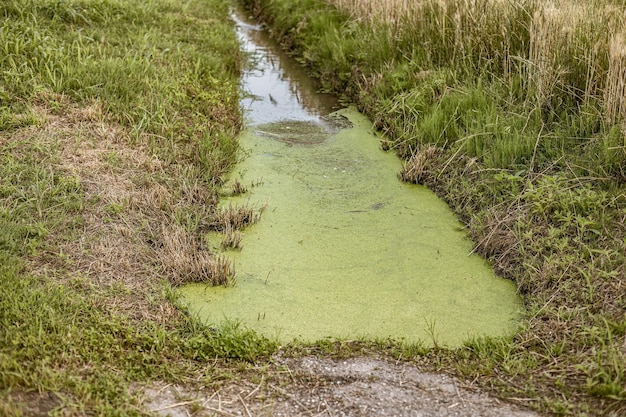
point(343, 248)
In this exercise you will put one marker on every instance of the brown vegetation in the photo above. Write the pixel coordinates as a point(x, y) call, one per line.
point(416, 168)
point(129, 238)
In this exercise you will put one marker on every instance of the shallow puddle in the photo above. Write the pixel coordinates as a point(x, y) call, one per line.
point(343, 248)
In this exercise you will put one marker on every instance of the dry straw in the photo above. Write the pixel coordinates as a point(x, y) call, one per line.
point(386, 11)
point(184, 260)
point(567, 50)
point(615, 90)
point(233, 217)
point(567, 42)
point(231, 238)
point(415, 170)
point(546, 42)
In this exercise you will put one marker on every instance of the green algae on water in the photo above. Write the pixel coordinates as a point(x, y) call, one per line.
point(346, 250)
point(294, 132)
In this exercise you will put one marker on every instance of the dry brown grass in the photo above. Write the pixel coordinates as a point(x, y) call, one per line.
point(237, 188)
point(233, 217)
point(231, 238)
point(416, 168)
point(128, 241)
point(615, 90)
point(384, 10)
point(184, 260)
point(568, 40)
point(548, 36)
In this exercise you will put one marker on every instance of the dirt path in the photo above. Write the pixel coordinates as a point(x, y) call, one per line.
point(310, 386)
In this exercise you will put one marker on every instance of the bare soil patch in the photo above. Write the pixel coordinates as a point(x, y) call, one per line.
point(32, 404)
point(310, 386)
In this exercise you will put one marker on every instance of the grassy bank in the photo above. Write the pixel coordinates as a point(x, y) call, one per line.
point(117, 121)
point(514, 113)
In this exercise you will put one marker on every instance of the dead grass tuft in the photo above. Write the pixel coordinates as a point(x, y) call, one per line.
point(231, 239)
point(494, 234)
point(237, 188)
point(184, 260)
point(233, 217)
point(416, 168)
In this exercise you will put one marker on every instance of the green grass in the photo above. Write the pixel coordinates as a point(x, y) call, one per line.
point(142, 97)
point(55, 340)
point(117, 120)
point(536, 170)
point(158, 67)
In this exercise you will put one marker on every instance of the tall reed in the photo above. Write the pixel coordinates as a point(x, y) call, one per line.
point(566, 53)
point(615, 89)
point(475, 32)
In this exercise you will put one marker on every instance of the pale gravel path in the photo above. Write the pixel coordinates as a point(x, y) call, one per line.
point(356, 387)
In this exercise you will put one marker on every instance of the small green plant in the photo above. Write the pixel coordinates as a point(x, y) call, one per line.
point(230, 340)
point(431, 325)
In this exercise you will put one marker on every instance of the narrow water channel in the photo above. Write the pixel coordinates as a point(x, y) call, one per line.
point(343, 248)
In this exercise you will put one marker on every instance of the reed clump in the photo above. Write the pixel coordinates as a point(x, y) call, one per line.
point(615, 89)
point(562, 52)
point(233, 217)
point(416, 168)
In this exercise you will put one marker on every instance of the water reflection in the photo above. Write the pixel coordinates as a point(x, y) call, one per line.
point(276, 88)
